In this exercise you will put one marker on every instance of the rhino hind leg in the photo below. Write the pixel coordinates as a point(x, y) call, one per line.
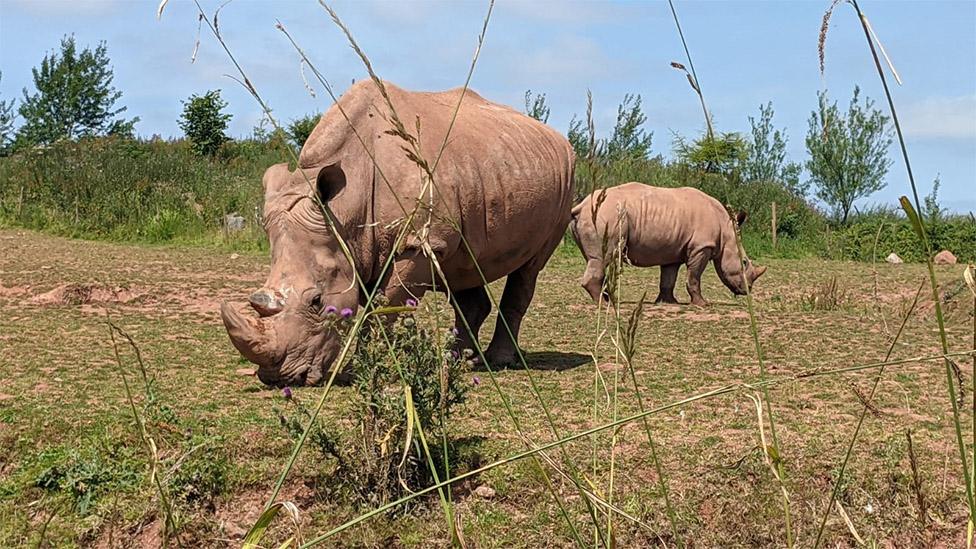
point(669, 277)
point(697, 262)
point(519, 289)
point(471, 306)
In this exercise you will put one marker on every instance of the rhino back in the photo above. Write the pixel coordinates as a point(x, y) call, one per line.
point(505, 179)
point(668, 224)
point(664, 225)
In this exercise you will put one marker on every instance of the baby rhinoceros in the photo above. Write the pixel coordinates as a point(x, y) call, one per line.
point(660, 226)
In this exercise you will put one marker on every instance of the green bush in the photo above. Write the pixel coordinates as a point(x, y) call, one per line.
point(125, 189)
point(954, 233)
point(157, 191)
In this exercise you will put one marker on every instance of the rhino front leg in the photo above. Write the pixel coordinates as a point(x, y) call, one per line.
point(669, 276)
point(592, 281)
point(519, 289)
point(410, 278)
point(696, 266)
point(473, 306)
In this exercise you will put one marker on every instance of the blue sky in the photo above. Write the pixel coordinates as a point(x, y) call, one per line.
point(746, 53)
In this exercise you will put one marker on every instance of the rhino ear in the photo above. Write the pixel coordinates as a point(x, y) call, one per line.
point(740, 217)
point(330, 181)
point(275, 176)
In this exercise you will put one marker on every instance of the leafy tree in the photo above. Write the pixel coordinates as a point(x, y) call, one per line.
point(766, 159)
point(629, 139)
point(536, 106)
point(723, 154)
point(203, 122)
point(931, 210)
point(301, 128)
point(579, 137)
point(848, 154)
point(74, 97)
point(6, 122)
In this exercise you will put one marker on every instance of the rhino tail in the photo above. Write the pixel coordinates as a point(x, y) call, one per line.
point(576, 210)
point(573, 222)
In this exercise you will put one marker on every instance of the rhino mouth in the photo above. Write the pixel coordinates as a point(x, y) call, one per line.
point(275, 376)
point(259, 341)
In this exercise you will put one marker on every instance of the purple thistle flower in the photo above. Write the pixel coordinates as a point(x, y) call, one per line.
point(346, 313)
point(476, 380)
point(330, 309)
point(454, 354)
point(455, 331)
point(286, 392)
point(411, 302)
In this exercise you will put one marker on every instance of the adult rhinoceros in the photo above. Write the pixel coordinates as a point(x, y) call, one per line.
point(503, 182)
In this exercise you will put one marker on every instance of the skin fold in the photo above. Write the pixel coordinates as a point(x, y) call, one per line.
point(503, 183)
point(660, 226)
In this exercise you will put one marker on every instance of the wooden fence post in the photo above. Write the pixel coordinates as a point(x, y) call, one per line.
point(774, 226)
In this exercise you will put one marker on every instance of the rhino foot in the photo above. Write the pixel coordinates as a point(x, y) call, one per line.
point(665, 300)
point(502, 357)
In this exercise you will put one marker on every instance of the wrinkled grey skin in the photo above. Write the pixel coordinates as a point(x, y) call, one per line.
point(504, 184)
point(660, 226)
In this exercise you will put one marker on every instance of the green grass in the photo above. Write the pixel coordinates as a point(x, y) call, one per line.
point(161, 192)
point(63, 407)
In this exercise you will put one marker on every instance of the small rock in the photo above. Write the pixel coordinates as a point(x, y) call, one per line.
point(234, 531)
point(234, 222)
point(245, 371)
point(234, 256)
point(484, 491)
point(944, 257)
point(893, 258)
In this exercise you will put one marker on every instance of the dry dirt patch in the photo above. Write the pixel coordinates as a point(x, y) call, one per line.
point(84, 294)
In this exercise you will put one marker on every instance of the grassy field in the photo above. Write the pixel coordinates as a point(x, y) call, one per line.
point(74, 470)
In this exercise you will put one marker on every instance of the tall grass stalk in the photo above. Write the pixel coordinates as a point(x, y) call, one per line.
point(969, 275)
point(860, 420)
point(535, 391)
point(331, 221)
point(628, 354)
point(774, 450)
point(719, 391)
point(427, 168)
point(333, 224)
point(431, 187)
point(169, 525)
point(696, 85)
point(618, 258)
point(923, 235)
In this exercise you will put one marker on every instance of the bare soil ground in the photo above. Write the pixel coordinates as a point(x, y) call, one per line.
point(62, 400)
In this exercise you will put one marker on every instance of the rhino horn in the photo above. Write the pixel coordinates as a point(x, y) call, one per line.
point(254, 338)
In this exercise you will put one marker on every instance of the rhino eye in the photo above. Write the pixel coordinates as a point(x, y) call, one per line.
point(316, 303)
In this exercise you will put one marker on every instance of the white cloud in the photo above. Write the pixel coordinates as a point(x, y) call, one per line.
point(566, 61)
point(941, 117)
point(61, 8)
point(564, 11)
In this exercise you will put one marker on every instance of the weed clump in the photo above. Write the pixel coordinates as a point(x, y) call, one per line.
point(828, 296)
point(407, 381)
point(83, 475)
